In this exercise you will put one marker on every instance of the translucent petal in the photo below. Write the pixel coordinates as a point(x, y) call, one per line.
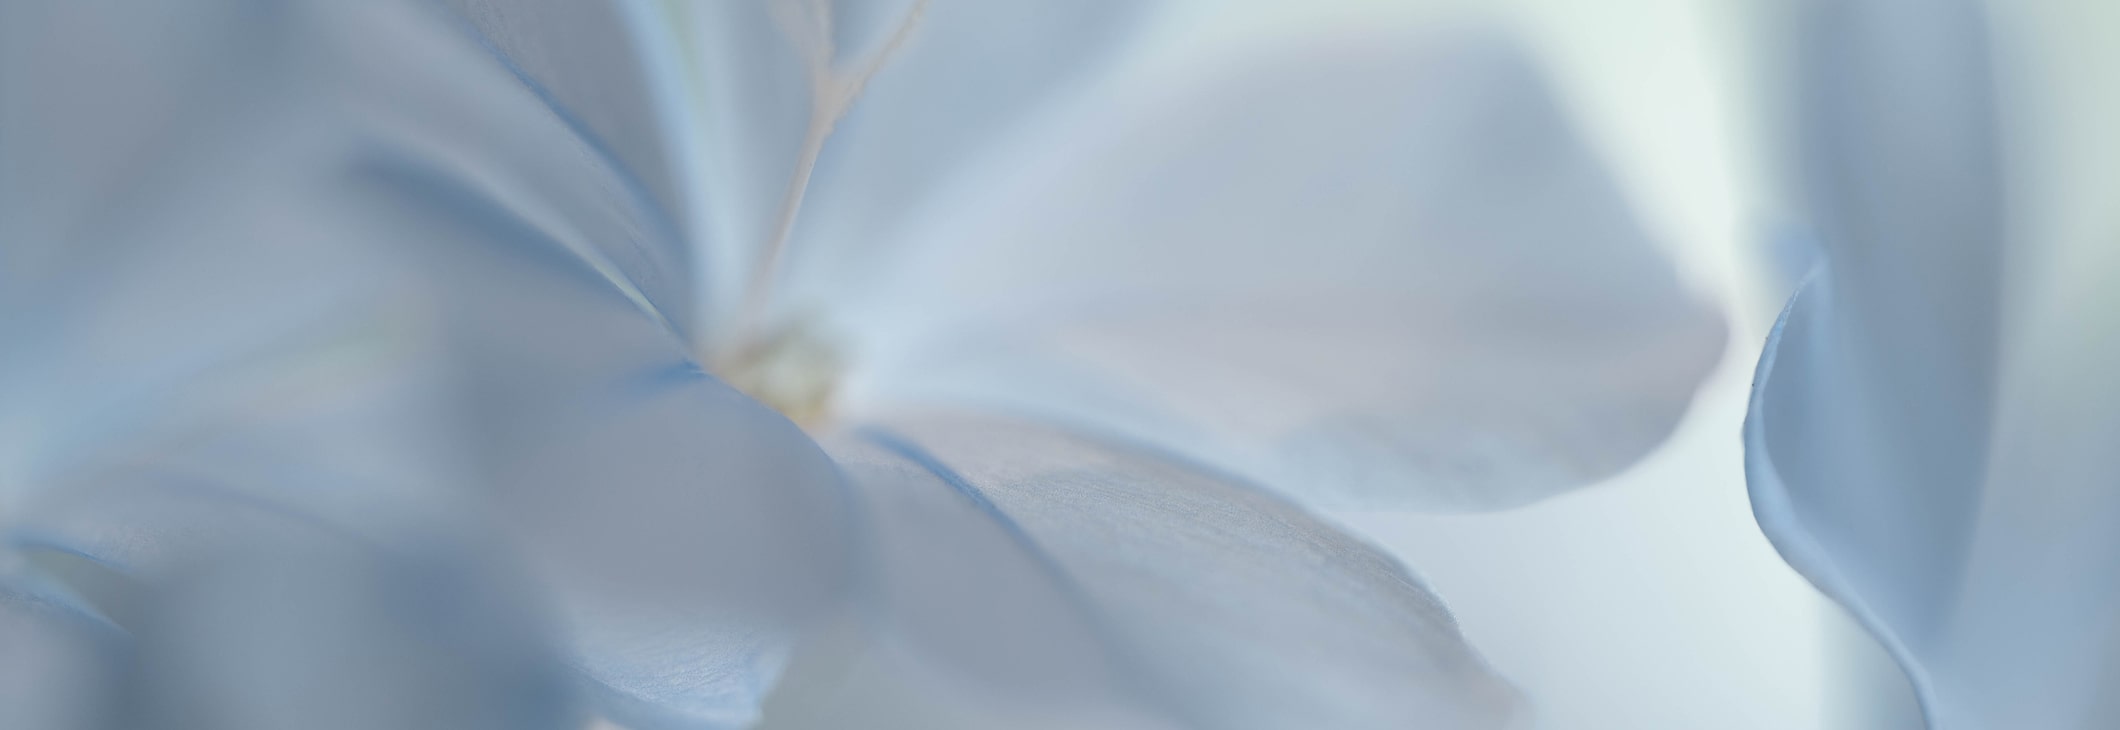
point(322, 637)
point(1899, 455)
point(752, 110)
point(60, 661)
point(1049, 571)
point(241, 613)
point(687, 525)
point(246, 615)
point(1366, 268)
point(596, 63)
point(178, 235)
point(968, 71)
point(972, 71)
point(1903, 189)
point(967, 623)
point(390, 287)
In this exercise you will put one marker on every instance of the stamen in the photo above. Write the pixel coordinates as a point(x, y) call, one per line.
point(790, 366)
point(808, 27)
point(794, 371)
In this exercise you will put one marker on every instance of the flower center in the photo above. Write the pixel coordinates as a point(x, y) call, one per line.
point(792, 369)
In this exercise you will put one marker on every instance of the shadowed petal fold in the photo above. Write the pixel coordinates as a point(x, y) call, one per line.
point(1067, 575)
point(227, 612)
point(60, 661)
point(1930, 419)
point(359, 262)
point(962, 74)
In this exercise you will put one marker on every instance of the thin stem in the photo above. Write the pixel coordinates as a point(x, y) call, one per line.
point(854, 85)
point(759, 289)
point(808, 28)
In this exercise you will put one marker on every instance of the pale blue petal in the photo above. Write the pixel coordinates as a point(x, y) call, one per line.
point(1363, 268)
point(967, 623)
point(1871, 441)
point(973, 71)
point(60, 661)
point(752, 108)
point(1020, 560)
point(1902, 184)
point(363, 268)
point(217, 260)
point(241, 613)
point(687, 525)
point(1931, 421)
point(969, 71)
point(318, 636)
point(604, 67)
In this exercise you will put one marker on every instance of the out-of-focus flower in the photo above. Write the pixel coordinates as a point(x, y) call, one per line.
point(1928, 421)
point(288, 287)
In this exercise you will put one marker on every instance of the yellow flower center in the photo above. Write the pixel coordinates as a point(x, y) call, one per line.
point(792, 369)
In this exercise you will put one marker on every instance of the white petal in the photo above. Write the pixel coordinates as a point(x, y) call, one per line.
point(965, 73)
point(1048, 571)
point(242, 615)
point(1364, 268)
point(752, 108)
point(60, 662)
point(972, 71)
point(970, 623)
point(360, 269)
point(597, 64)
point(322, 637)
point(238, 612)
point(1929, 422)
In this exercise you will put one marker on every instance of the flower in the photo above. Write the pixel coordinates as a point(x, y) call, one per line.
point(320, 307)
point(1917, 439)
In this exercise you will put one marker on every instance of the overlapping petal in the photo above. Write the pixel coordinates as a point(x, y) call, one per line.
point(1367, 267)
point(967, 621)
point(751, 94)
point(589, 59)
point(211, 608)
point(359, 262)
point(970, 74)
point(1920, 422)
point(60, 661)
point(1052, 574)
point(287, 281)
point(324, 637)
point(963, 74)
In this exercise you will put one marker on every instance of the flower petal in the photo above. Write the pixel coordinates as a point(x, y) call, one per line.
point(1039, 567)
point(969, 623)
point(967, 71)
point(324, 637)
point(1364, 268)
point(752, 108)
point(60, 662)
point(596, 63)
point(360, 269)
point(1930, 424)
point(972, 71)
point(1897, 455)
point(242, 614)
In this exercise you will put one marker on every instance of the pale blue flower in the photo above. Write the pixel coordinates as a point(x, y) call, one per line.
point(1076, 314)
